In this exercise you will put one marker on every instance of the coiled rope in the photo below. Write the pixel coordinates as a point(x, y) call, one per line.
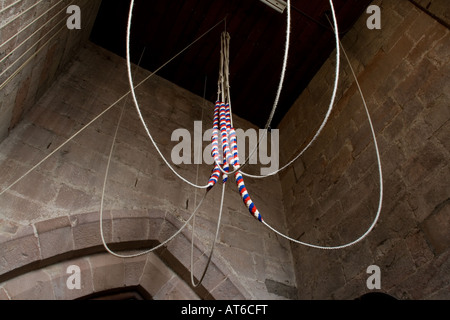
point(380, 173)
point(223, 121)
point(277, 96)
point(223, 125)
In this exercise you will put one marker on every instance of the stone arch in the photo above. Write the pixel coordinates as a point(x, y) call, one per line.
point(36, 257)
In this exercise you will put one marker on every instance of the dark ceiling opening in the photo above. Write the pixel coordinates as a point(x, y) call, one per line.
point(257, 32)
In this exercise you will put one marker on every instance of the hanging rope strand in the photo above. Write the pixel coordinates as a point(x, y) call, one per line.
point(223, 117)
point(380, 171)
point(279, 89)
point(219, 219)
point(105, 245)
point(28, 25)
point(105, 111)
point(136, 103)
point(327, 115)
point(20, 14)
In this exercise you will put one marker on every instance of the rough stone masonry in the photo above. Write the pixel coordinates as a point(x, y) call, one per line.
point(331, 193)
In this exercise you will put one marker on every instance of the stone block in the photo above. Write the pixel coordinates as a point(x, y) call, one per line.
point(10, 170)
point(241, 220)
point(383, 115)
point(332, 215)
point(59, 276)
point(419, 168)
point(214, 275)
point(75, 200)
point(440, 52)
point(365, 163)
point(241, 261)
point(400, 219)
point(156, 274)
point(55, 236)
point(277, 271)
point(35, 285)
point(156, 219)
point(107, 272)
point(331, 280)
point(38, 137)
point(3, 295)
point(180, 248)
point(133, 269)
point(396, 31)
point(339, 164)
point(409, 87)
point(82, 178)
point(429, 279)
point(23, 153)
point(83, 157)
point(278, 249)
point(431, 88)
point(86, 229)
point(353, 289)
point(20, 103)
point(19, 250)
point(396, 264)
point(419, 248)
point(57, 124)
point(226, 290)
point(130, 229)
point(425, 42)
point(176, 289)
point(442, 134)
point(436, 227)
point(92, 139)
point(440, 294)
point(281, 289)
point(37, 187)
point(356, 260)
point(438, 113)
point(239, 239)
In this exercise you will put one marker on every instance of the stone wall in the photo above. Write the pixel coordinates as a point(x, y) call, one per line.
point(331, 193)
point(35, 47)
point(53, 214)
point(438, 9)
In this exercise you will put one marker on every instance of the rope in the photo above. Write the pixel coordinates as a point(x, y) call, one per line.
point(327, 115)
point(103, 197)
point(99, 115)
point(156, 247)
point(10, 6)
point(170, 238)
point(20, 14)
point(199, 152)
point(26, 62)
point(136, 103)
point(29, 37)
point(33, 55)
point(277, 97)
point(380, 201)
point(130, 77)
point(28, 25)
point(215, 148)
point(213, 244)
point(223, 119)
